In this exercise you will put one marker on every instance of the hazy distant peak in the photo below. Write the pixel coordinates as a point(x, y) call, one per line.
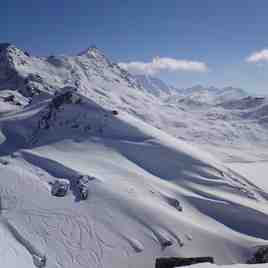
point(153, 85)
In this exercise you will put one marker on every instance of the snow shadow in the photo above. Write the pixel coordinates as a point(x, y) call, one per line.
point(239, 218)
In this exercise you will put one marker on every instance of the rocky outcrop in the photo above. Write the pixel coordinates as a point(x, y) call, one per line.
point(177, 262)
point(260, 256)
point(12, 60)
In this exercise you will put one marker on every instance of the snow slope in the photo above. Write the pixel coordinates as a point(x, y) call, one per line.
point(132, 214)
point(211, 95)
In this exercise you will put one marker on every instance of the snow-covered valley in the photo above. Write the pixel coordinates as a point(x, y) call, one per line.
point(150, 194)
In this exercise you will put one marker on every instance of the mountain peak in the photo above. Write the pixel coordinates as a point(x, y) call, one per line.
point(10, 49)
point(7, 49)
point(95, 54)
point(91, 51)
point(153, 85)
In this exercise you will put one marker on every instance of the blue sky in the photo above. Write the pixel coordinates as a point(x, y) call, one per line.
point(221, 35)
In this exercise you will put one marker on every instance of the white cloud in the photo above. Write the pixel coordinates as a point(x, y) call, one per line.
point(158, 65)
point(258, 56)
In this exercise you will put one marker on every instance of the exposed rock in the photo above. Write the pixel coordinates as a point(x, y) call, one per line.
point(177, 262)
point(39, 261)
point(60, 187)
point(260, 256)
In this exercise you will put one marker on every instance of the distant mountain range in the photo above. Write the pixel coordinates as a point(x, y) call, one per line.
point(198, 93)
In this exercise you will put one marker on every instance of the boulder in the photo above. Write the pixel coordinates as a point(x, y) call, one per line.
point(83, 192)
point(60, 187)
point(260, 256)
point(83, 184)
point(39, 261)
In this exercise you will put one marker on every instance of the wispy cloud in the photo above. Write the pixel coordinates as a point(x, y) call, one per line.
point(258, 56)
point(158, 65)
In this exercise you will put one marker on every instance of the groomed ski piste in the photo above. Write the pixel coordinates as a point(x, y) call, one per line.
point(150, 195)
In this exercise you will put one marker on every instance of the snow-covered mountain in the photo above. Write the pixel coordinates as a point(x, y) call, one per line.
point(222, 116)
point(149, 194)
point(188, 113)
point(199, 95)
point(33, 76)
point(154, 86)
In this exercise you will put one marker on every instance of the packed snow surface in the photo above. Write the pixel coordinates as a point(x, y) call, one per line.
point(131, 215)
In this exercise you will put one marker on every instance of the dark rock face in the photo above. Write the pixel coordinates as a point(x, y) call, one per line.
point(260, 256)
point(177, 262)
point(9, 98)
point(67, 97)
point(10, 78)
